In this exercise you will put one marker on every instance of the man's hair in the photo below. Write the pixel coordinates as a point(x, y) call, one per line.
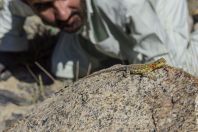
point(33, 0)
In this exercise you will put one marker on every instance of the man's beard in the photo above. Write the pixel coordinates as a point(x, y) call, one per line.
point(82, 14)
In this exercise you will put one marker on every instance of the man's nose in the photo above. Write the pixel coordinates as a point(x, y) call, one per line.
point(62, 12)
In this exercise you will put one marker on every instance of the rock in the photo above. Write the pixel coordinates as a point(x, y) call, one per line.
point(113, 102)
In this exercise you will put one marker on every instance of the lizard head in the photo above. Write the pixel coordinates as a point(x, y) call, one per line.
point(160, 62)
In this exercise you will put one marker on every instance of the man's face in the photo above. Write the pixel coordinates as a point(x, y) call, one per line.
point(68, 15)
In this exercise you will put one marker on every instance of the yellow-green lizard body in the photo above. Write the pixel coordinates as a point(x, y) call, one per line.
point(135, 68)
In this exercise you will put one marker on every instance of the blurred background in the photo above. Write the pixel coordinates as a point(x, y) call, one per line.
point(31, 83)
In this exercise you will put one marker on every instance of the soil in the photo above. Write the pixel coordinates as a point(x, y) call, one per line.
point(20, 93)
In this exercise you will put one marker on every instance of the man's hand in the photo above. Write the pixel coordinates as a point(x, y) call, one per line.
point(34, 26)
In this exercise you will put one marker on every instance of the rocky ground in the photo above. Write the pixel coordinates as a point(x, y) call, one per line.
point(20, 93)
point(112, 101)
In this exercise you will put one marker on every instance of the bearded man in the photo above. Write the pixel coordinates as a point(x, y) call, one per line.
point(100, 33)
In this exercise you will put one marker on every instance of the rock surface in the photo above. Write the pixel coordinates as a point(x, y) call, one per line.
point(112, 102)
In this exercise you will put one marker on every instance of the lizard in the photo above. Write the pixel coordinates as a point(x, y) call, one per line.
point(141, 69)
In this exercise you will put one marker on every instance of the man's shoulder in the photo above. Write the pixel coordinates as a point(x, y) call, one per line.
point(114, 9)
point(115, 4)
point(19, 8)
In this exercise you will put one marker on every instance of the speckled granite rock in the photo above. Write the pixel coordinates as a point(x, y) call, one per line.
point(112, 102)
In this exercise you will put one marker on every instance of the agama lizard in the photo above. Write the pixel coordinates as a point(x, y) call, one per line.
point(141, 69)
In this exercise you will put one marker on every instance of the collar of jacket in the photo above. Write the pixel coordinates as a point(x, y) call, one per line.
point(94, 28)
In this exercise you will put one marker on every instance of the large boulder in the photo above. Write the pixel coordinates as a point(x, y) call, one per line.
point(112, 101)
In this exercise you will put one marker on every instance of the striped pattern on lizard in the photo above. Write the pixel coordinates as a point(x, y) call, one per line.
point(141, 69)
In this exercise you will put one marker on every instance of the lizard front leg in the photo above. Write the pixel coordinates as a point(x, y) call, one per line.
point(127, 71)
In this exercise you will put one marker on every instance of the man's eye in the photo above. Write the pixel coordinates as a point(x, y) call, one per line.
point(43, 6)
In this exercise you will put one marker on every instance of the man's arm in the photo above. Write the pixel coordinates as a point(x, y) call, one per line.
point(161, 29)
